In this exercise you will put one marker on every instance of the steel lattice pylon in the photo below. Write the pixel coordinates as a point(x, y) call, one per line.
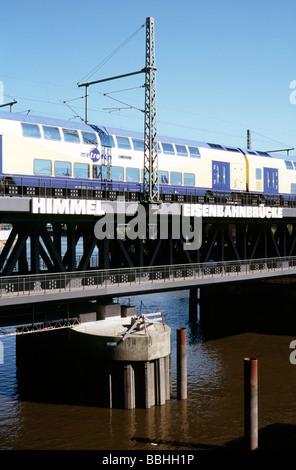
point(151, 182)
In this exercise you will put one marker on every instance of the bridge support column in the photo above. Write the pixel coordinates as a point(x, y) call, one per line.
point(160, 382)
point(149, 384)
point(129, 387)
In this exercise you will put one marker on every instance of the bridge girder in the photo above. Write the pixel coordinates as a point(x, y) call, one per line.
point(70, 244)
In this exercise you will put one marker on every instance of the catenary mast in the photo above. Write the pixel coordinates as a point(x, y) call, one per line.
point(151, 182)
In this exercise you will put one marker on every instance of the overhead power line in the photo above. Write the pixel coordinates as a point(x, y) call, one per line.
point(109, 57)
point(273, 140)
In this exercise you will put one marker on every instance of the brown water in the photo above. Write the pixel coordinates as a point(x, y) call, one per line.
point(211, 417)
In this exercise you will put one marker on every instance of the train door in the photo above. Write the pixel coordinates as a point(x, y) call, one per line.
point(271, 180)
point(221, 175)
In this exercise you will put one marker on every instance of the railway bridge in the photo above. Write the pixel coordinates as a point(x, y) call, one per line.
point(63, 247)
point(56, 231)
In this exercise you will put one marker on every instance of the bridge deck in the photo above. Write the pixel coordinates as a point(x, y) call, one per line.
point(20, 290)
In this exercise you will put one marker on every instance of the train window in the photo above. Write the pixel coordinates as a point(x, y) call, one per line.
point(194, 152)
point(147, 175)
point(268, 179)
point(294, 163)
point(176, 178)
point(181, 150)
point(218, 174)
point(289, 165)
point(133, 174)
point(157, 148)
point(31, 130)
point(89, 138)
point(116, 173)
point(163, 177)
point(216, 146)
point(70, 135)
point(107, 140)
point(263, 154)
point(42, 167)
point(123, 142)
point(189, 179)
point(100, 172)
point(81, 170)
point(224, 175)
point(271, 181)
point(168, 149)
point(258, 173)
point(293, 188)
point(51, 133)
point(138, 144)
point(230, 149)
point(62, 169)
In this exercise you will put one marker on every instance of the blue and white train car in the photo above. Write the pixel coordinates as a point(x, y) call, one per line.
point(38, 151)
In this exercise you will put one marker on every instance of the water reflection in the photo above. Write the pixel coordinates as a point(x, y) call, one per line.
point(211, 417)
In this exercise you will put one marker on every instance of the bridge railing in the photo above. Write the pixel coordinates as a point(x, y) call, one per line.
point(100, 279)
point(109, 190)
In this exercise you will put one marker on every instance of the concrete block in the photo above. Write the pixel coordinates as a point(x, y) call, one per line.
point(108, 310)
point(128, 311)
point(87, 317)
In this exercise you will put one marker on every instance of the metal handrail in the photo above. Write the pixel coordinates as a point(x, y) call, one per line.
point(58, 187)
point(33, 284)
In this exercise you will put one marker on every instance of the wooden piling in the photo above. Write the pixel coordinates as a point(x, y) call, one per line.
point(251, 402)
point(181, 363)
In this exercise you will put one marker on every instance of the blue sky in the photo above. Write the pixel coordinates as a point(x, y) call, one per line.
point(222, 66)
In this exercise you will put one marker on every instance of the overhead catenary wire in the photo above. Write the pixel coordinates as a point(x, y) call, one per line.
point(160, 121)
point(122, 102)
point(126, 89)
point(76, 115)
point(272, 140)
point(127, 105)
point(109, 57)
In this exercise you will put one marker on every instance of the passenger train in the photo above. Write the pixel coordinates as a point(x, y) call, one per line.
point(40, 152)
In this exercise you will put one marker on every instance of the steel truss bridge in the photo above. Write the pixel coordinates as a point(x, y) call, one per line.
point(53, 243)
point(51, 261)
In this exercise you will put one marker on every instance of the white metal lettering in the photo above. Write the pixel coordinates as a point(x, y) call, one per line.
point(225, 211)
point(66, 206)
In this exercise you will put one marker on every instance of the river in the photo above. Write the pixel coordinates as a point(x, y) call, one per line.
point(211, 418)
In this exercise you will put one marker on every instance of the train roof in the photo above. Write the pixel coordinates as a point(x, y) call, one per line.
point(80, 125)
point(43, 120)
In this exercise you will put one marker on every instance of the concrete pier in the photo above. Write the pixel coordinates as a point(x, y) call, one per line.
point(135, 351)
point(121, 361)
